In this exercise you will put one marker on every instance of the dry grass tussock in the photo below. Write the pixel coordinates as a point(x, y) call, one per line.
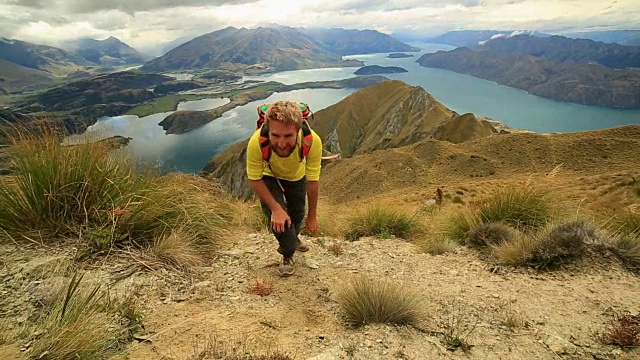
point(90, 192)
point(217, 348)
point(251, 217)
point(365, 300)
point(437, 245)
point(555, 244)
point(81, 322)
point(523, 208)
point(382, 221)
point(624, 237)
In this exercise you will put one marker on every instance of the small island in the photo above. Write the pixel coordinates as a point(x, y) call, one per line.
point(376, 69)
point(398, 56)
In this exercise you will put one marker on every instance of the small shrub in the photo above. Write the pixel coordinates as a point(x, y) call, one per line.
point(489, 234)
point(457, 200)
point(512, 318)
point(381, 221)
point(261, 287)
point(457, 324)
point(336, 248)
point(368, 300)
point(437, 245)
point(523, 209)
point(562, 242)
point(623, 330)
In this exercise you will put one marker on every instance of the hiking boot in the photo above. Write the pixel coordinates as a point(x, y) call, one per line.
point(286, 268)
point(302, 247)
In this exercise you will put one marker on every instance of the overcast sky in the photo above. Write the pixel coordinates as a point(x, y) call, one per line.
point(145, 23)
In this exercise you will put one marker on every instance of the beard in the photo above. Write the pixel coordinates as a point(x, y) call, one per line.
point(283, 152)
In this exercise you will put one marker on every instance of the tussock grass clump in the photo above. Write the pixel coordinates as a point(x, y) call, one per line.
point(562, 242)
point(627, 248)
point(624, 237)
point(623, 330)
point(79, 324)
point(626, 223)
point(368, 300)
point(177, 249)
point(217, 348)
point(458, 225)
point(522, 208)
point(516, 252)
point(550, 246)
point(490, 234)
point(381, 221)
point(437, 245)
point(91, 192)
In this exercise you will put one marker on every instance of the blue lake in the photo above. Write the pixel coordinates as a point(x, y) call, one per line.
point(189, 152)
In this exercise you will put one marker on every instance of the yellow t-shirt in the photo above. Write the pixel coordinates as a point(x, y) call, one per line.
point(289, 168)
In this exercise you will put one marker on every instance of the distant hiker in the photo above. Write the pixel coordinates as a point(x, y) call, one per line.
point(283, 165)
point(439, 197)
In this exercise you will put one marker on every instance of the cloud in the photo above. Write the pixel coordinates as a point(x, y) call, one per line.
point(125, 6)
point(147, 23)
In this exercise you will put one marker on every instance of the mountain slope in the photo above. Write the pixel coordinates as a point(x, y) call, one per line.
point(471, 38)
point(564, 50)
point(40, 57)
point(107, 51)
point(622, 37)
point(387, 115)
point(274, 49)
point(404, 172)
point(351, 42)
point(17, 78)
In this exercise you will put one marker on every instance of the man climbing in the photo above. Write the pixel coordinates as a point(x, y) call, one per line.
point(283, 165)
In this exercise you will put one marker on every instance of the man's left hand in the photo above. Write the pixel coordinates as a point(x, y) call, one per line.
point(311, 225)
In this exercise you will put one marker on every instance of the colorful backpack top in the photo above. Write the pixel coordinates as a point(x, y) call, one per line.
point(307, 137)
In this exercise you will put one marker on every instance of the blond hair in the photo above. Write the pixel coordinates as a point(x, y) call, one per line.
point(286, 112)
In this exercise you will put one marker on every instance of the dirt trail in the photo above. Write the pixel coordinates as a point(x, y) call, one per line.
point(562, 310)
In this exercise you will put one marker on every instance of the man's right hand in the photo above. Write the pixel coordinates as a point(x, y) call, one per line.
point(280, 220)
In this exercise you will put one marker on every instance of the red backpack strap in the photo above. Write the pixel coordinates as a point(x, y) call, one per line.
point(307, 140)
point(265, 147)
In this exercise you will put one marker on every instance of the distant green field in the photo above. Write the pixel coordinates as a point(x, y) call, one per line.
point(170, 102)
point(164, 104)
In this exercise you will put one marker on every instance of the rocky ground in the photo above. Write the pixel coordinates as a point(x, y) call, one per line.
point(502, 313)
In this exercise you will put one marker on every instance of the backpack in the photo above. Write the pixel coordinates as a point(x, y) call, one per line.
point(307, 137)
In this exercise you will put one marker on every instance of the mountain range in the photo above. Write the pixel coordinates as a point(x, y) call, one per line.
point(271, 49)
point(107, 51)
point(471, 38)
point(27, 67)
point(576, 70)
